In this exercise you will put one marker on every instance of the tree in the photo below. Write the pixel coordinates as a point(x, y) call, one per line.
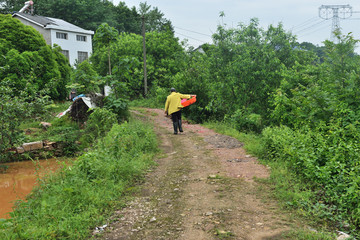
point(127, 20)
point(319, 50)
point(312, 93)
point(85, 79)
point(162, 53)
point(27, 64)
point(245, 65)
point(18, 36)
point(154, 19)
point(87, 14)
point(104, 36)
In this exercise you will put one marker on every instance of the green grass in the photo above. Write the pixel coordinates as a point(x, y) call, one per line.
point(147, 103)
point(51, 111)
point(36, 132)
point(69, 204)
point(302, 234)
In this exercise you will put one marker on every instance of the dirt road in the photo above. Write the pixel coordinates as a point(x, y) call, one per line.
point(201, 188)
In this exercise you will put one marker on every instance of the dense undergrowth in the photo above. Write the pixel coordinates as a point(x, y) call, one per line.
point(322, 172)
point(67, 205)
point(314, 173)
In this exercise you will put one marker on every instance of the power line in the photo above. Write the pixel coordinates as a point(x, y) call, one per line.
point(190, 37)
point(307, 28)
point(193, 31)
point(304, 23)
point(316, 30)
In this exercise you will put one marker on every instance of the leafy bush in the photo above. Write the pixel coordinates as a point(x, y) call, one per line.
point(29, 65)
point(119, 106)
point(244, 121)
point(98, 124)
point(12, 111)
point(326, 161)
point(66, 133)
point(85, 79)
point(68, 204)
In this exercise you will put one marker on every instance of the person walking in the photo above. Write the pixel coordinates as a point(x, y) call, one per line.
point(173, 107)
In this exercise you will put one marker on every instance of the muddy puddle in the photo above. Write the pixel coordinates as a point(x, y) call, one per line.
point(19, 179)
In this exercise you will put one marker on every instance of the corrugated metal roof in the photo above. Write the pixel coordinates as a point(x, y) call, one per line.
point(52, 23)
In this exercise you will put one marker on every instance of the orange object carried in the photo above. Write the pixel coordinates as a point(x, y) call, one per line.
point(188, 102)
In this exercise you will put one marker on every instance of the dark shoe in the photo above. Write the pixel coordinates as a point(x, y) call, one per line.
point(175, 125)
point(180, 126)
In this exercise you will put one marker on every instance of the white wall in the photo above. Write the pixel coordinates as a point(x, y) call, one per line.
point(71, 44)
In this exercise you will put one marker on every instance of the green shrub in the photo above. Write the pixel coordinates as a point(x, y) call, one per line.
point(244, 121)
point(66, 133)
point(325, 160)
point(98, 124)
point(119, 106)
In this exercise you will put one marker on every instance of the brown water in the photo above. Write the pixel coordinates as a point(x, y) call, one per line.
point(19, 180)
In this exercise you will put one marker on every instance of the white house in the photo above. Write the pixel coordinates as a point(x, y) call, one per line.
point(75, 42)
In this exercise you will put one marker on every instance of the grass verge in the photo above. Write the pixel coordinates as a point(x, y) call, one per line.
point(71, 203)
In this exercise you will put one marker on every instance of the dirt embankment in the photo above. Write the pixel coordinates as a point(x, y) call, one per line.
point(202, 188)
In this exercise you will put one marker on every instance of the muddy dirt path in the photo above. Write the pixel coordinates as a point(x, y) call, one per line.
point(201, 188)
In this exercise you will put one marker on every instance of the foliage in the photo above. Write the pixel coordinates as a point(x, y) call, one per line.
point(83, 195)
point(154, 19)
point(319, 50)
point(27, 64)
point(163, 51)
point(119, 106)
point(246, 122)
point(98, 124)
point(16, 35)
point(239, 71)
point(320, 144)
point(326, 159)
point(92, 13)
point(195, 78)
point(305, 234)
point(309, 94)
point(65, 133)
point(85, 79)
point(104, 36)
point(12, 111)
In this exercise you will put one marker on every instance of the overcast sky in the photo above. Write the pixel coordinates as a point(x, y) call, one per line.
point(197, 20)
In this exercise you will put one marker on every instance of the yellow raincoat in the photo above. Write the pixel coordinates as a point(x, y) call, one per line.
point(173, 102)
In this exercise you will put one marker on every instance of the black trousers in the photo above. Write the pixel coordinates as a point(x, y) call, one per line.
point(176, 116)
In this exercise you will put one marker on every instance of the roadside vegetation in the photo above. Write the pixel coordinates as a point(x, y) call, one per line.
point(88, 190)
point(295, 104)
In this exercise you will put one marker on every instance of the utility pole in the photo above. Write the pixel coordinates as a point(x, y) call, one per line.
point(335, 12)
point(144, 53)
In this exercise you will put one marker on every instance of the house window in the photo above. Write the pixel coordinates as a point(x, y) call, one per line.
point(81, 38)
point(61, 35)
point(82, 56)
point(66, 54)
